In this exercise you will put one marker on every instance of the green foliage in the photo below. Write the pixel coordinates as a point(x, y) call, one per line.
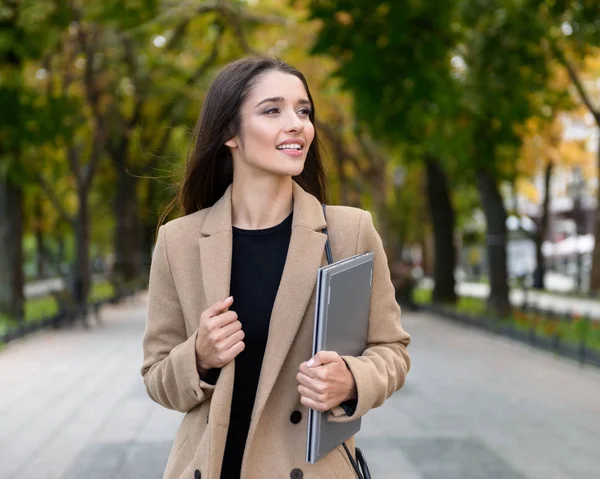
point(37, 309)
point(102, 291)
point(422, 295)
point(575, 22)
point(122, 14)
point(40, 308)
point(30, 28)
point(395, 58)
point(505, 64)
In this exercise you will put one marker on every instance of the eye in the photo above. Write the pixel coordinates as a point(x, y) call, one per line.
point(306, 111)
point(271, 110)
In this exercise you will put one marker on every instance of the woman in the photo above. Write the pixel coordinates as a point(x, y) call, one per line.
point(232, 291)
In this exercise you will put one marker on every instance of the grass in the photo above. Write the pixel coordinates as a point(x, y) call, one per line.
point(101, 291)
point(466, 304)
point(572, 331)
point(37, 309)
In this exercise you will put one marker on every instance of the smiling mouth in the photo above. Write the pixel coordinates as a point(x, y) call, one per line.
point(291, 146)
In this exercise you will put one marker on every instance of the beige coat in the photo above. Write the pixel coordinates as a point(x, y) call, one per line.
point(191, 270)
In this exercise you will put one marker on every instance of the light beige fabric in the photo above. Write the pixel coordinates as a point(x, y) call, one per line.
point(191, 270)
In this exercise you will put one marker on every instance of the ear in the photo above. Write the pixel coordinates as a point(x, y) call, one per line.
point(232, 143)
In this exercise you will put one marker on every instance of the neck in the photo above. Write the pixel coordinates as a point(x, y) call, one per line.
point(259, 204)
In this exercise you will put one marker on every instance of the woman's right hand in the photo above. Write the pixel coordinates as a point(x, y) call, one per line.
point(220, 337)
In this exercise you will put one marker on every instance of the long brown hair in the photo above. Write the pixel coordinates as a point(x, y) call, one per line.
point(209, 169)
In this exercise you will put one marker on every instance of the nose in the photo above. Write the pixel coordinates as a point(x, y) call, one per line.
point(293, 123)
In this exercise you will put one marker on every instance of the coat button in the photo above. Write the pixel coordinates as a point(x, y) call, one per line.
point(296, 417)
point(296, 474)
point(197, 474)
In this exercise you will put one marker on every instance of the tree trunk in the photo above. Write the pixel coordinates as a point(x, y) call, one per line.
point(442, 216)
point(148, 229)
point(82, 274)
point(60, 256)
point(595, 274)
point(540, 271)
point(377, 184)
point(495, 215)
point(127, 234)
point(11, 254)
point(39, 238)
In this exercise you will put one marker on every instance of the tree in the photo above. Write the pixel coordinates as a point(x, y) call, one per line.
point(545, 150)
point(395, 59)
point(28, 28)
point(179, 50)
point(573, 40)
point(502, 64)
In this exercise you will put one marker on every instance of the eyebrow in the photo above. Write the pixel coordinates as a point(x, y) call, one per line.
point(279, 99)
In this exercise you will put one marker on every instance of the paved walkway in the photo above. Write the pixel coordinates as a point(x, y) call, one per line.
point(73, 405)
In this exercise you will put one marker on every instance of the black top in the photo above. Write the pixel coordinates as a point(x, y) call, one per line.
point(258, 258)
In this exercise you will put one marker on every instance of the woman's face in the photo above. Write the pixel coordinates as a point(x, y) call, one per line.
point(275, 131)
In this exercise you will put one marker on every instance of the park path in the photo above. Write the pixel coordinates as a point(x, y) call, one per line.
point(476, 406)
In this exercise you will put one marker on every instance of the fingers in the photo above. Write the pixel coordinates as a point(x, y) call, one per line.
point(227, 330)
point(231, 340)
point(311, 403)
point(235, 350)
point(323, 357)
point(219, 307)
point(223, 319)
point(315, 385)
point(319, 385)
point(228, 350)
point(309, 393)
point(320, 372)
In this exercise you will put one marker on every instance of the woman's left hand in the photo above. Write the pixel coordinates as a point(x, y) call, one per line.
point(325, 382)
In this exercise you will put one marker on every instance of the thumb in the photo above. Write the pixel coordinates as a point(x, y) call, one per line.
point(322, 357)
point(220, 307)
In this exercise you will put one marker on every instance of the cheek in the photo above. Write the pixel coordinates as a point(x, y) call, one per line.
point(309, 132)
point(262, 135)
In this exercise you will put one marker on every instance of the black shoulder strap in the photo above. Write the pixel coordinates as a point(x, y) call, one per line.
point(327, 245)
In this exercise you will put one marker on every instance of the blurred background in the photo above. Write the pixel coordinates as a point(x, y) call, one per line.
point(470, 129)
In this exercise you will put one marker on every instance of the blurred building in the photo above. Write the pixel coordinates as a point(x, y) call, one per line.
point(569, 240)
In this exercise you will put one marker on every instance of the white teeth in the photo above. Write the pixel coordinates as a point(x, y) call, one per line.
point(290, 146)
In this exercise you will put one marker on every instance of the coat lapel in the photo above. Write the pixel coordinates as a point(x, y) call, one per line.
point(305, 256)
point(215, 263)
point(215, 250)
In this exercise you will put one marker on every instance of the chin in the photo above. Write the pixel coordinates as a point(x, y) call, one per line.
point(294, 171)
point(277, 167)
point(289, 170)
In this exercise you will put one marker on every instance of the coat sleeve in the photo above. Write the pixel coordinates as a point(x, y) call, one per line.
point(169, 365)
point(381, 369)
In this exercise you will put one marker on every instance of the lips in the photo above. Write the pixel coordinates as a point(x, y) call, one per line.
point(293, 151)
point(296, 144)
point(290, 146)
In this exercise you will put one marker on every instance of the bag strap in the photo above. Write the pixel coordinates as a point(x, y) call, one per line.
point(356, 466)
point(327, 244)
point(362, 463)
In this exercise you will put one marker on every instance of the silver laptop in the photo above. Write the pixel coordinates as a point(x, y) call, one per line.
point(341, 324)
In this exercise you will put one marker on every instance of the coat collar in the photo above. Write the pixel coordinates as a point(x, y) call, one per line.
point(307, 212)
point(305, 256)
